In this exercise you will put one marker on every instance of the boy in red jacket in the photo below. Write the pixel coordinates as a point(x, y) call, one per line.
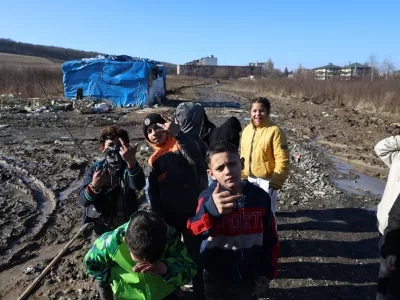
point(234, 218)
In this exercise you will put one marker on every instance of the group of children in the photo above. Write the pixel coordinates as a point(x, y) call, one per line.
point(200, 188)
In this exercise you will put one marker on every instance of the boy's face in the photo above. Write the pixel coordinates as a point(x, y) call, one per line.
point(226, 168)
point(156, 135)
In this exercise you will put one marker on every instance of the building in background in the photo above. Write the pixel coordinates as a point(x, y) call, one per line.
point(257, 64)
point(326, 72)
point(205, 61)
point(354, 70)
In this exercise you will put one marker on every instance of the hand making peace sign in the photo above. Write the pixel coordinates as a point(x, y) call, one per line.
point(174, 128)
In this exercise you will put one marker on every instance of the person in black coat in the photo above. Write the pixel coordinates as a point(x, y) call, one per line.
point(229, 131)
point(108, 190)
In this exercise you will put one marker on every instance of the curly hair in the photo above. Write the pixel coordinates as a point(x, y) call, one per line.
point(112, 132)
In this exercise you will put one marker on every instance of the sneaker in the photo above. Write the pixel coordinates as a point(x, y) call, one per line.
point(189, 285)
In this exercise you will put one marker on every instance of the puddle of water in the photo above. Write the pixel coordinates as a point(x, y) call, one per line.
point(45, 206)
point(226, 104)
point(63, 195)
point(364, 185)
point(13, 244)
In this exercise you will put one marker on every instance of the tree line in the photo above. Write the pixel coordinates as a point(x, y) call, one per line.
point(49, 52)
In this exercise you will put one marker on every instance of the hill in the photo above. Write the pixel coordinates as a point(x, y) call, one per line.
point(12, 52)
point(13, 60)
point(49, 52)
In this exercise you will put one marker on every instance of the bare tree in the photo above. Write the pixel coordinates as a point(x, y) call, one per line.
point(269, 67)
point(388, 67)
point(286, 72)
point(372, 62)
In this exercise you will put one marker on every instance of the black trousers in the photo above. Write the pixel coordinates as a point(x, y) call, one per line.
point(217, 289)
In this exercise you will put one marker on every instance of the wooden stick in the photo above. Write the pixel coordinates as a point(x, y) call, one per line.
point(52, 263)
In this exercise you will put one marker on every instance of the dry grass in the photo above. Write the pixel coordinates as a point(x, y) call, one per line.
point(23, 60)
point(175, 82)
point(20, 79)
point(378, 96)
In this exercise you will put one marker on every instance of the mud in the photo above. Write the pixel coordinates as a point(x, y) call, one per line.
point(328, 235)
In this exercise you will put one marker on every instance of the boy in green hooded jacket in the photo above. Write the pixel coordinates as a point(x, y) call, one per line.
point(142, 259)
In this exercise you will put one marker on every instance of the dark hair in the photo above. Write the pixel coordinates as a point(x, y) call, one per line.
point(221, 147)
point(264, 101)
point(147, 236)
point(112, 132)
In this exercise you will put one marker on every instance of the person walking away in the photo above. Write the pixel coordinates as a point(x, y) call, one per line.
point(390, 251)
point(388, 150)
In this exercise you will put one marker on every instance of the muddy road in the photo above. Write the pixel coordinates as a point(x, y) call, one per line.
point(328, 235)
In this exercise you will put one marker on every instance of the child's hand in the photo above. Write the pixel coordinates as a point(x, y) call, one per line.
point(157, 269)
point(172, 127)
point(100, 178)
point(391, 262)
point(128, 153)
point(224, 201)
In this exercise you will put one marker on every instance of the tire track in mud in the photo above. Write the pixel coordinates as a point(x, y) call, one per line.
point(41, 198)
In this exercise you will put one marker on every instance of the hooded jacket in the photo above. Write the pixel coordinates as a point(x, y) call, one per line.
point(110, 262)
point(191, 117)
point(388, 150)
point(242, 244)
point(173, 181)
point(265, 151)
point(228, 131)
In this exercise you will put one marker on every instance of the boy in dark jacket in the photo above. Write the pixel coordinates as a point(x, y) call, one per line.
point(173, 184)
point(234, 218)
point(229, 131)
point(390, 250)
point(108, 191)
point(142, 259)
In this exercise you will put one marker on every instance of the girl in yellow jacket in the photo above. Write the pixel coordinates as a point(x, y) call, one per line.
point(265, 151)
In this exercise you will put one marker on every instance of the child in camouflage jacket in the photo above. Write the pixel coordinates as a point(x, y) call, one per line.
point(142, 259)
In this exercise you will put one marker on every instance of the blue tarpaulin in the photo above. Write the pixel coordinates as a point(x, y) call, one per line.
point(124, 80)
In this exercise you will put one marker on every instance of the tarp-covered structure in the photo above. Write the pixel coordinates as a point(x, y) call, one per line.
point(125, 80)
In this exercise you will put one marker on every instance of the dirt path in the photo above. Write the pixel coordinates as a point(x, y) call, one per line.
point(328, 237)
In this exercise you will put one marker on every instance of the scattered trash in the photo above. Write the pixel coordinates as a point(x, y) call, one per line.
point(325, 114)
point(100, 107)
point(144, 148)
point(246, 119)
point(90, 105)
point(29, 270)
point(4, 126)
point(10, 96)
point(319, 193)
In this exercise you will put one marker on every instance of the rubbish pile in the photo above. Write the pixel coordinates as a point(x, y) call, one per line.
point(90, 106)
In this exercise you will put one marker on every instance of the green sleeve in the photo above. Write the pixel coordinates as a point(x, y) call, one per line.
point(181, 268)
point(97, 261)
